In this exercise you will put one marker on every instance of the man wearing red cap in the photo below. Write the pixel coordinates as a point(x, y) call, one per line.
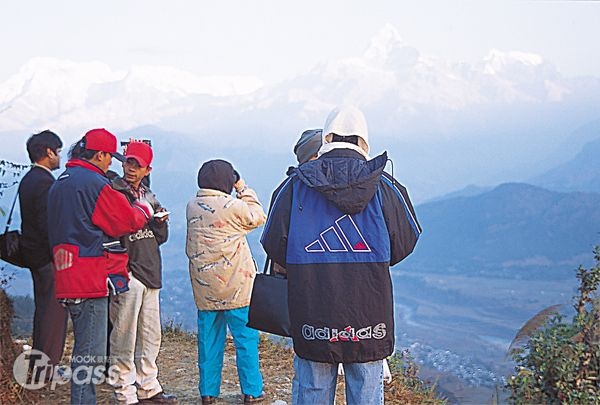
point(85, 216)
point(135, 314)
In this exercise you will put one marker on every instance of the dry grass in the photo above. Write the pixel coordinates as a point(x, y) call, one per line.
point(10, 391)
point(179, 375)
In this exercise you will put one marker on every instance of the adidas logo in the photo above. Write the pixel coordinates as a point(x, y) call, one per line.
point(342, 236)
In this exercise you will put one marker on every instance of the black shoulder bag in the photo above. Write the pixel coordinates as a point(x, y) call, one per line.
point(10, 242)
point(269, 302)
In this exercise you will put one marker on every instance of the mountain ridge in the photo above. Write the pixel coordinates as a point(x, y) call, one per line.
point(508, 226)
point(581, 173)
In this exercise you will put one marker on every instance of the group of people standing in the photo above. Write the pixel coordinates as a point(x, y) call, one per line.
point(335, 226)
point(91, 240)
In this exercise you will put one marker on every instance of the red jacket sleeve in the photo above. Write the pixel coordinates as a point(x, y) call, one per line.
point(115, 215)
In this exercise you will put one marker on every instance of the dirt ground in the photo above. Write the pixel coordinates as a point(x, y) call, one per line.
point(178, 373)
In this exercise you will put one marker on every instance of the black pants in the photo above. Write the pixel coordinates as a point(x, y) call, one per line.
point(50, 317)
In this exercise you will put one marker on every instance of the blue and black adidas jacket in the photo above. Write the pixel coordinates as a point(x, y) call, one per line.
point(337, 224)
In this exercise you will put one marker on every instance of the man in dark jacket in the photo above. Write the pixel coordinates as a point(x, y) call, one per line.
point(85, 216)
point(135, 314)
point(50, 318)
point(337, 224)
point(306, 149)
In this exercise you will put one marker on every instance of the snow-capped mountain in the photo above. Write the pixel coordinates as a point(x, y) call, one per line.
point(393, 81)
point(398, 74)
point(66, 94)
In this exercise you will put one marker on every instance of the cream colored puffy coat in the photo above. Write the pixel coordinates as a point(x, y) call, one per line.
point(221, 267)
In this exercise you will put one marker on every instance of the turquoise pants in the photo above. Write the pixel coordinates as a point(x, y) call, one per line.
point(212, 330)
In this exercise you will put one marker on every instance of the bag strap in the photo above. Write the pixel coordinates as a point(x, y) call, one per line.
point(12, 208)
point(267, 265)
point(268, 269)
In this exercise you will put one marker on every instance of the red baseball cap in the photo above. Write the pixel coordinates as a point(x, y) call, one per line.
point(140, 151)
point(103, 141)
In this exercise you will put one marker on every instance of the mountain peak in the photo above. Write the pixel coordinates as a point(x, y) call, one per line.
point(383, 43)
point(388, 33)
point(499, 61)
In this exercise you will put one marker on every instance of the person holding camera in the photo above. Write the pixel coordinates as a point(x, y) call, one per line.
point(222, 273)
point(135, 315)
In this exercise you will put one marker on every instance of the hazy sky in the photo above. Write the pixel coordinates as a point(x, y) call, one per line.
point(275, 39)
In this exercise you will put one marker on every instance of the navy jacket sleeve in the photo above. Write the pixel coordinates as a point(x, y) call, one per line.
point(400, 219)
point(275, 234)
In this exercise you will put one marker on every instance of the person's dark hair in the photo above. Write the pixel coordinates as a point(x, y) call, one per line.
point(78, 151)
point(37, 145)
point(348, 139)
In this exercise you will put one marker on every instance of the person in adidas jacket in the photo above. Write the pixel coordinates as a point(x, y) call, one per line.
point(85, 214)
point(337, 224)
point(135, 315)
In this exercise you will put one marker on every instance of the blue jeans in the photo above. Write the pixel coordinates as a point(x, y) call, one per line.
point(90, 319)
point(212, 330)
point(314, 383)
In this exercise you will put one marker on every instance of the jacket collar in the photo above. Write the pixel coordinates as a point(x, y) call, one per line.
point(209, 192)
point(331, 146)
point(86, 165)
point(42, 167)
point(345, 153)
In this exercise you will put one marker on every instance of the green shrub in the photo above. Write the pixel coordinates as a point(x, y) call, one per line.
point(561, 361)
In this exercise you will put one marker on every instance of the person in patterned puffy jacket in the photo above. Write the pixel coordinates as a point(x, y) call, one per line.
point(222, 273)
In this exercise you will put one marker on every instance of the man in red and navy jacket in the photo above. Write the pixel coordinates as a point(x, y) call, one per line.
point(85, 218)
